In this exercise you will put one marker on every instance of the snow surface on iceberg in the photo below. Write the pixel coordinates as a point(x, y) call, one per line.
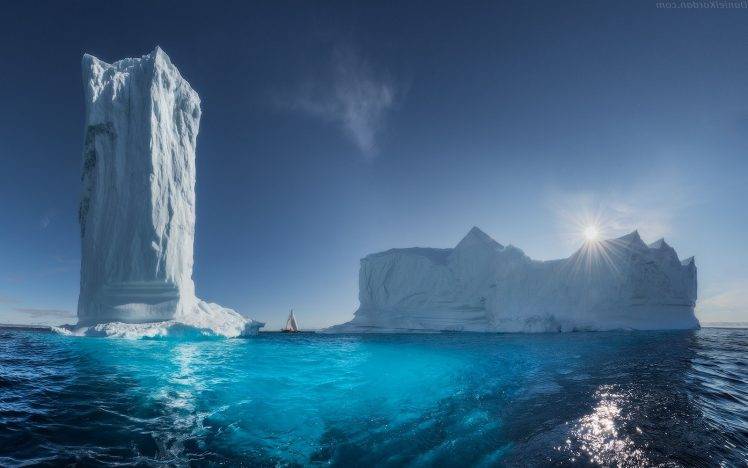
point(483, 286)
point(137, 209)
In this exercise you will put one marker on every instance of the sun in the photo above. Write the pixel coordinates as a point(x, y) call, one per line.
point(591, 233)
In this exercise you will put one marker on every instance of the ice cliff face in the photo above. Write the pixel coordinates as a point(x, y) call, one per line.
point(137, 209)
point(481, 285)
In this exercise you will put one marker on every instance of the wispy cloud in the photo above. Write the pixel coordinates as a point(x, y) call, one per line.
point(44, 313)
point(15, 278)
point(7, 300)
point(61, 264)
point(356, 97)
point(729, 303)
point(46, 219)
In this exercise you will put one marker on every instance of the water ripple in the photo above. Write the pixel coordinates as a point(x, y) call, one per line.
point(623, 399)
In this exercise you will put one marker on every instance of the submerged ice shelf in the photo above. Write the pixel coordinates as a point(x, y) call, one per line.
point(137, 209)
point(483, 286)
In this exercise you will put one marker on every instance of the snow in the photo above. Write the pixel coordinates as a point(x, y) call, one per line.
point(210, 320)
point(483, 286)
point(137, 209)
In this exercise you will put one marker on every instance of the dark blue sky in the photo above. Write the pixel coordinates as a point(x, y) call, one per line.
point(333, 130)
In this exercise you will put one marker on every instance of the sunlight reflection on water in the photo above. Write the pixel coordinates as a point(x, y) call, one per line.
point(597, 433)
point(618, 398)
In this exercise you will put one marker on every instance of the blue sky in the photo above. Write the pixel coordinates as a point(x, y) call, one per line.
point(333, 130)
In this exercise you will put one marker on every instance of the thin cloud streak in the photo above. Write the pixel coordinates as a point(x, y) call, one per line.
point(7, 300)
point(44, 313)
point(356, 98)
point(46, 219)
point(727, 304)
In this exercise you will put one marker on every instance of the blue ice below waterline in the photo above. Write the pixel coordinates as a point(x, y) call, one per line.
point(625, 398)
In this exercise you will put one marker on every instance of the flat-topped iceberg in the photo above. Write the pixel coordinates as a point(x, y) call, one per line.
point(137, 209)
point(483, 286)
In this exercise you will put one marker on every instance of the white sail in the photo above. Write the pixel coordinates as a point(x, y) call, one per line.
point(291, 323)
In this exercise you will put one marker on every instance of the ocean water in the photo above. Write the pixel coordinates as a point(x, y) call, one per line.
point(618, 398)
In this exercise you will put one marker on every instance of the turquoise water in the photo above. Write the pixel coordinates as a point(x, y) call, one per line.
point(626, 398)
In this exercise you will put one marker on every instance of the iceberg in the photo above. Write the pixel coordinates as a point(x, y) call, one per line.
point(137, 208)
point(483, 286)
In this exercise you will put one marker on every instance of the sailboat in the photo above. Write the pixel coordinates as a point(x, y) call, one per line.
point(291, 326)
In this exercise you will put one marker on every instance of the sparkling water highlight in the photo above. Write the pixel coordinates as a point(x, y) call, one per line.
point(613, 398)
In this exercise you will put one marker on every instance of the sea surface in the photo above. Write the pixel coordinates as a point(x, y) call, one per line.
point(613, 398)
